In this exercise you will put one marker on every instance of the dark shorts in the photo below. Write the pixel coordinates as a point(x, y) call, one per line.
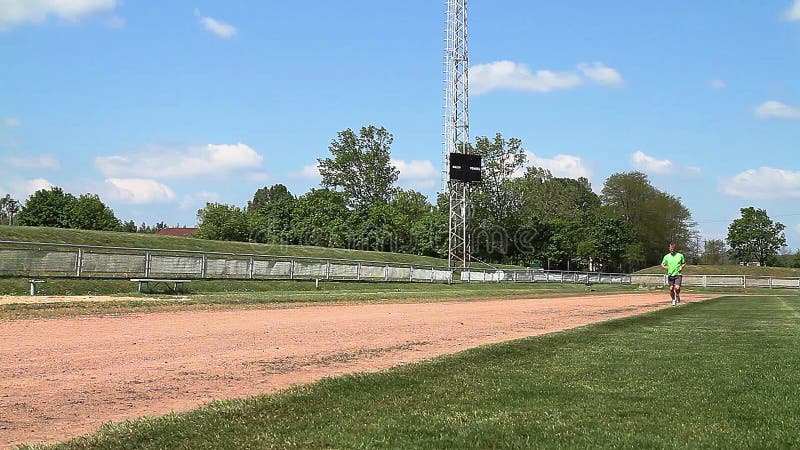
point(674, 280)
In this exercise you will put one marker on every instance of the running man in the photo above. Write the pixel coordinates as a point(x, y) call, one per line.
point(674, 262)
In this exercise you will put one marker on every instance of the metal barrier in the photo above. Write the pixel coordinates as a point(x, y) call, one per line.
point(738, 281)
point(551, 276)
point(84, 261)
point(39, 259)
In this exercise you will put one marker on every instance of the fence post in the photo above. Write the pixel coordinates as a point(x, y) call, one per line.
point(770, 282)
point(148, 264)
point(79, 263)
point(358, 272)
point(291, 269)
point(203, 265)
point(251, 267)
point(328, 270)
point(432, 271)
point(386, 273)
point(705, 280)
point(744, 281)
point(411, 274)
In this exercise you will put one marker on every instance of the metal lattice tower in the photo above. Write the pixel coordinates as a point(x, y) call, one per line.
point(456, 128)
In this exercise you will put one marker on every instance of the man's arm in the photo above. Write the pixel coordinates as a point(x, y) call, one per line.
point(664, 263)
point(683, 263)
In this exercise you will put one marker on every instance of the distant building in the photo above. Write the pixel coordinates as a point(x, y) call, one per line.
point(181, 232)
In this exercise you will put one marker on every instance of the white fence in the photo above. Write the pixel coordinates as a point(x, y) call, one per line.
point(739, 281)
point(552, 276)
point(36, 259)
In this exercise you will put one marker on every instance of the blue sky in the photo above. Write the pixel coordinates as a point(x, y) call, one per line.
point(162, 108)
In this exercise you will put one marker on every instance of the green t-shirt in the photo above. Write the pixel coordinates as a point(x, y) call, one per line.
point(674, 263)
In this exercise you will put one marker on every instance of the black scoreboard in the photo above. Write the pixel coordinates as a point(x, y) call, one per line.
point(465, 168)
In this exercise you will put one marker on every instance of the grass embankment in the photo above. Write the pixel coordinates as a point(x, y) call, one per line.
point(293, 293)
point(719, 374)
point(730, 269)
point(146, 240)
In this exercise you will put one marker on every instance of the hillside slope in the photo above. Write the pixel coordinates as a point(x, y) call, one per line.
point(144, 240)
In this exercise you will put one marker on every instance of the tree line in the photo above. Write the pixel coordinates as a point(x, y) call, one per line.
point(58, 209)
point(519, 214)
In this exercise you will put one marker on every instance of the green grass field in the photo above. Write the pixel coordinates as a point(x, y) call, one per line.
point(730, 269)
point(719, 374)
point(145, 240)
point(248, 294)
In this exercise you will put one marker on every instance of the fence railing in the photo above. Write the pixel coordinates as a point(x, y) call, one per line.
point(739, 281)
point(40, 259)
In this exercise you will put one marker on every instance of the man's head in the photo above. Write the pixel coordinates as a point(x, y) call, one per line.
point(672, 248)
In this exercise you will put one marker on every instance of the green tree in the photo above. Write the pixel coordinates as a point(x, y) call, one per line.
point(755, 237)
point(360, 167)
point(372, 228)
point(429, 232)
point(47, 208)
point(270, 214)
point(655, 217)
point(406, 209)
point(321, 218)
point(555, 199)
point(713, 252)
point(221, 222)
point(609, 244)
point(129, 227)
point(88, 212)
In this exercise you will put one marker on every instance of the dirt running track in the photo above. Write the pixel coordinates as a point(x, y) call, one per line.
point(62, 377)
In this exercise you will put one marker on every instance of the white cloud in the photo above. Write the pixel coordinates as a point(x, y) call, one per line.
point(513, 76)
point(718, 84)
point(601, 74)
point(518, 77)
point(776, 110)
point(35, 162)
point(221, 29)
point(561, 166)
point(797, 228)
point(199, 199)
point(15, 12)
point(37, 184)
point(138, 191)
point(309, 172)
point(12, 121)
point(420, 175)
point(651, 165)
point(213, 160)
point(793, 13)
point(765, 183)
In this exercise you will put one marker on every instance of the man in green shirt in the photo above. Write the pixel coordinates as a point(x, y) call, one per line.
point(674, 262)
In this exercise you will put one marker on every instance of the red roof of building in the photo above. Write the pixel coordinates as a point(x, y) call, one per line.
point(176, 231)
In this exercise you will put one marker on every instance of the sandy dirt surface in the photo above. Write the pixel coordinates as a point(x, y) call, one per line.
point(28, 299)
point(63, 377)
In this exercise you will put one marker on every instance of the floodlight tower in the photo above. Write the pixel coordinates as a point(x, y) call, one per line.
point(456, 129)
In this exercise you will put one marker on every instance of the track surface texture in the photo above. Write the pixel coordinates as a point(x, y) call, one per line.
point(62, 377)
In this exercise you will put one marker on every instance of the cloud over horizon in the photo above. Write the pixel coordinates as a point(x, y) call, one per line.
point(764, 183)
point(17, 12)
point(212, 160)
point(513, 76)
point(776, 110)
